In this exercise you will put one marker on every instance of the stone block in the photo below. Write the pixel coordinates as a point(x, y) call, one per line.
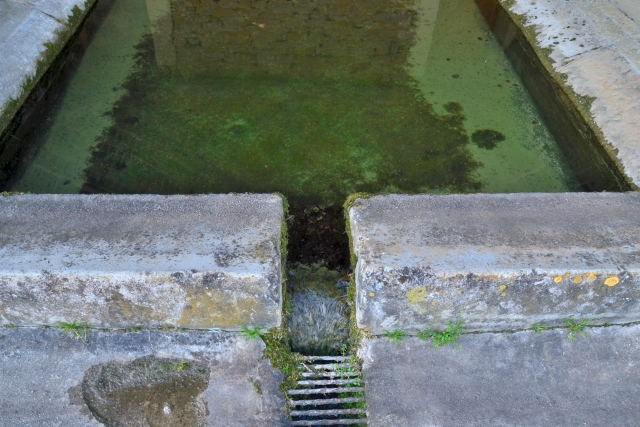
point(498, 261)
point(42, 374)
point(209, 261)
point(507, 380)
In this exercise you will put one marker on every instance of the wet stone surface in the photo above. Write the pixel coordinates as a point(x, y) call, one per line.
point(148, 391)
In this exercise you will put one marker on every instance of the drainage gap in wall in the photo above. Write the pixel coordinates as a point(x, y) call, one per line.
point(317, 280)
point(331, 393)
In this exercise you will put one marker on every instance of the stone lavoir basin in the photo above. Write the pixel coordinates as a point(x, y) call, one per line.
point(313, 100)
point(313, 168)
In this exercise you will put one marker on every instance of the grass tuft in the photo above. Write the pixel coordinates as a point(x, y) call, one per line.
point(449, 336)
point(539, 327)
point(396, 336)
point(252, 333)
point(75, 327)
point(576, 328)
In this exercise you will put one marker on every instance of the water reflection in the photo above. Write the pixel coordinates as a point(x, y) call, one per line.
point(292, 39)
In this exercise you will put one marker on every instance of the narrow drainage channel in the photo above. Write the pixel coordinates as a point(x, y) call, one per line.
point(331, 393)
point(330, 388)
point(317, 279)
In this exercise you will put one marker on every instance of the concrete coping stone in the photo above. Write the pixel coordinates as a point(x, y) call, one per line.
point(498, 261)
point(596, 46)
point(207, 261)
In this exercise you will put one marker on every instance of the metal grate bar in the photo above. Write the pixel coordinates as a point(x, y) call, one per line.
point(327, 390)
point(320, 412)
point(330, 366)
point(329, 358)
point(328, 374)
point(329, 382)
point(329, 422)
point(319, 402)
point(332, 375)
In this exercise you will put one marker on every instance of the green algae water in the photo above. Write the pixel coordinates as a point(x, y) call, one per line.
point(312, 99)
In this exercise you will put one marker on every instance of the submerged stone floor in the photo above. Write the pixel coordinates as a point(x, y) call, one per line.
point(42, 370)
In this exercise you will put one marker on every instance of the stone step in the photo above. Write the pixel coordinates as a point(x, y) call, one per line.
point(209, 261)
point(496, 261)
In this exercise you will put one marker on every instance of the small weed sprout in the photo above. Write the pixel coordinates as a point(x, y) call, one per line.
point(181, 366)
point(75, 327)
point(344, 349)
point(252, 333)
point(539, 327)
point(576, 328)
point(396, 336)
point(450, 335)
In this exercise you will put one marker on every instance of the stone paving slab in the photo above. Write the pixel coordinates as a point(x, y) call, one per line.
point(506, 380)
point(210, 261)
point(631, 8)
point(42, 370)
point(499, 261)
point(596, 45)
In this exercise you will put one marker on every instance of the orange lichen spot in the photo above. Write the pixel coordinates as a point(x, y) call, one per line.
point(577, 280)
point(557, 279)
point(372, 294)
point(612, 281)
point(592, 276)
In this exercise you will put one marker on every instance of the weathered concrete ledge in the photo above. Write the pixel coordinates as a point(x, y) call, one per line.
point(210, 261)
point(32, 33)
point(42, 372)
point(508, 380)
point(595, 47)
point(499, 261)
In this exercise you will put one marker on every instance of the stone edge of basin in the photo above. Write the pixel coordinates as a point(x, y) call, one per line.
point(593, 49)
point(36, 33)
point(109, 261)
point(496, 261)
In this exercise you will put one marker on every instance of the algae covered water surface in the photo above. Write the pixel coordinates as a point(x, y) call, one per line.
point(315, 99)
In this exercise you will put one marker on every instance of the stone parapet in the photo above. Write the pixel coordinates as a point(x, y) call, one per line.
point(500, 262)
point(209, 261)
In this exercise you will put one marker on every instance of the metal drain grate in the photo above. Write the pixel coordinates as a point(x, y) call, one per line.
point(331, 393)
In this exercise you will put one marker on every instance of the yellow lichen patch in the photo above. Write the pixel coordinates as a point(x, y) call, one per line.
point(434, 302)
point(504, 294)
point(417, 298)
point(372, 294)
point(503, 287)
point(578, 279)
point(592, 276)
point(217, 309)
point(557, 279)
point(612, 281)
point(418, 295)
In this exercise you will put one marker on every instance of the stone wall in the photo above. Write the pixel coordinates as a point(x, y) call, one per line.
point(306, 38)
